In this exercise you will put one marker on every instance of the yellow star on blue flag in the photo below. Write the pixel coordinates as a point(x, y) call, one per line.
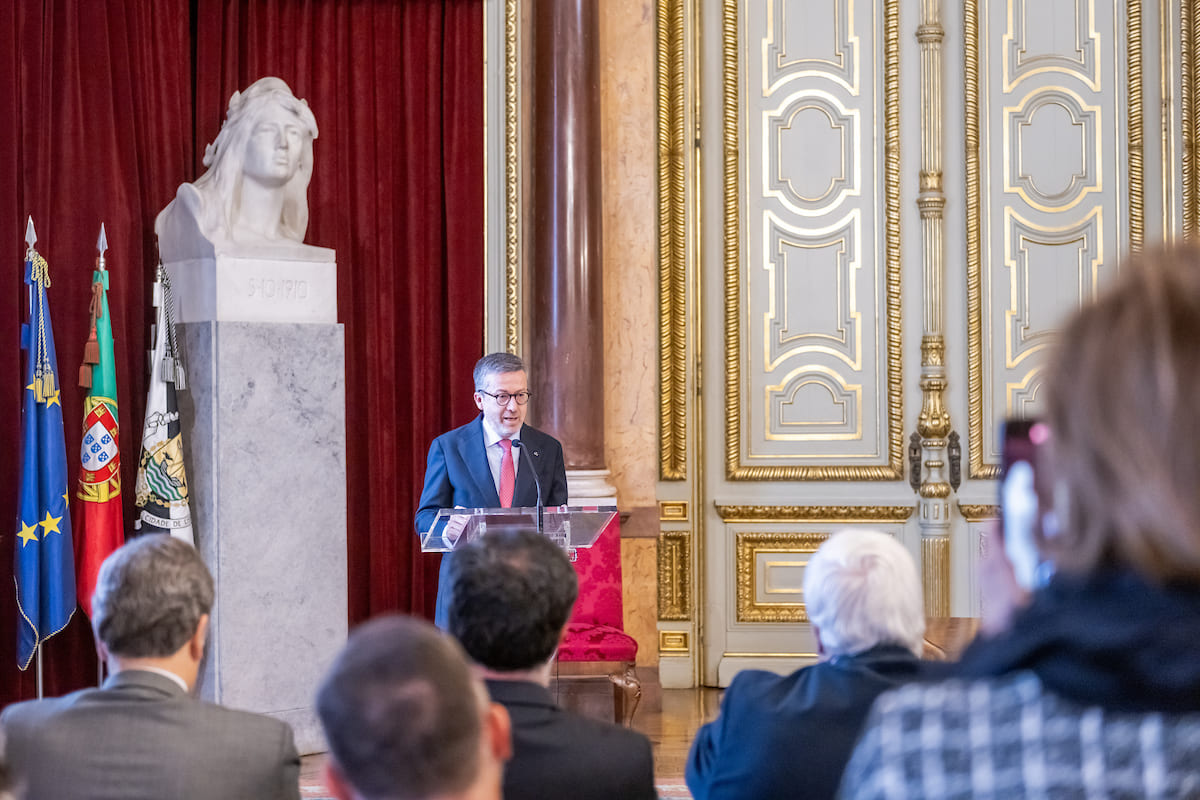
point(43, 567)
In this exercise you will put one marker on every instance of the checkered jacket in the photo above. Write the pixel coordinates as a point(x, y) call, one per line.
point(1008, 737)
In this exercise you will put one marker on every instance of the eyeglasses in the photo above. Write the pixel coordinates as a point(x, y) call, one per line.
point(503, 397)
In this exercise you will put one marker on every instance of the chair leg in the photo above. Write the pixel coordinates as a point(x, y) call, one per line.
point(627, 693)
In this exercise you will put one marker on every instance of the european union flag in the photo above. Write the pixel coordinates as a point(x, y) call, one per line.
point(44, 564)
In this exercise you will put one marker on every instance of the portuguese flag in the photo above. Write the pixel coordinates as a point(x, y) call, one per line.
point(97, 521)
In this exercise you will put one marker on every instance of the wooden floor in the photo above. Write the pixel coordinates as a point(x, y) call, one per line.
point(670, 731)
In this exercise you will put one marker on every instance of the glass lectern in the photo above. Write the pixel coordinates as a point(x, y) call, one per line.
point(570, 527)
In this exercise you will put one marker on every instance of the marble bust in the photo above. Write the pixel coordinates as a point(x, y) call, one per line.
point(253, 199)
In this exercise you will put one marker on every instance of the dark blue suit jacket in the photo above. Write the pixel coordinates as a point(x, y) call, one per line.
point(792, 736)
point(457, 474)
point(559, 754)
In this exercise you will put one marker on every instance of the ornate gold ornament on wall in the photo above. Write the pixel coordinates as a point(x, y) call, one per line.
point(512, 198)
point(978, 512)
point(674, 643)
point(674, 575)
point(672, 245)
point(935, 566)
point(934, 420)
point(748, 513)
point(672, 511)
point(1189, 26)
point(735, 468)
point(749, 546)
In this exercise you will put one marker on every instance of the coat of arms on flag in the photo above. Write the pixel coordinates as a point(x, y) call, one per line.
point(161, 491)
point(99, 525)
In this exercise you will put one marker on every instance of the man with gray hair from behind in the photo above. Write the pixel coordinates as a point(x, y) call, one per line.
point(792, 735)
point(142, 735)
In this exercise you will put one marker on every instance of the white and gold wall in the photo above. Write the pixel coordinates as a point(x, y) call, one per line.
point(873, 215)
point(838, 238)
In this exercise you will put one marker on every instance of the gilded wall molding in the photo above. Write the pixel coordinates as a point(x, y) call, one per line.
point(1135, 191)
point(512, 197)
point(935, 566)
point(1189, 27)
point(976, 467)
point(749, 545)
point(749, 513)
point(674, 643)
point(731, 127)
point(672, 511)
point(978, 512)
point(675, 576)
point(1136, 144)
point(672, 245)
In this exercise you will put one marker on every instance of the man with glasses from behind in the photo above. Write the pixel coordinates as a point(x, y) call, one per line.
point(477, 466)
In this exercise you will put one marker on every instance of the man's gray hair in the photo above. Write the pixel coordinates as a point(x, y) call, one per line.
point(494, 363)
point(861, 590)
point(150, 595)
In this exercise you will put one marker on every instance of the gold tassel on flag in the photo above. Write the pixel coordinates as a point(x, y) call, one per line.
point(91, 348)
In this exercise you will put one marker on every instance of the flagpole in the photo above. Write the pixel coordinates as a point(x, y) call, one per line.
point(30, 239)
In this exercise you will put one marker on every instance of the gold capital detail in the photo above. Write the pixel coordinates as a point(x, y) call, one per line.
point(978, 512)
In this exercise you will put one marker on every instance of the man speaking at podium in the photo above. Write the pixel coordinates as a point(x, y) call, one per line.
point(485, 463)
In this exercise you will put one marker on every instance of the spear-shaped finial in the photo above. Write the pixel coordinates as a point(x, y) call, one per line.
point(30, 234)
point(101, 245)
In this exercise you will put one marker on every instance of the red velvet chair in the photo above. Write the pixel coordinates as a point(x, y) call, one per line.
point(596, 646)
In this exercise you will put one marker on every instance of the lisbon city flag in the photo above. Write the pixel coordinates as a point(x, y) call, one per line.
point(161, 490)
point(98, 525)
point(43, 564)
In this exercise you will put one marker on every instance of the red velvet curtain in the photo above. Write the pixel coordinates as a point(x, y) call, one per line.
point(97, 117)
point(111, 105)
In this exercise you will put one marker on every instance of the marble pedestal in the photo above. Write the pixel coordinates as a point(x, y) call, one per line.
point(265, 427)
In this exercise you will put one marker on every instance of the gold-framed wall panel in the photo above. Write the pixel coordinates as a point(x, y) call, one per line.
point(735, 469)
point(1133, 191)
point(675, 576)
point(749, 545)
point(672, 245)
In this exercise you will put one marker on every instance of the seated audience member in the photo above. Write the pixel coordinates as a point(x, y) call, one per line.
point(406, 718)
point(511, 597)
point(142, 734)
point(791, 736)
point(1089, 687)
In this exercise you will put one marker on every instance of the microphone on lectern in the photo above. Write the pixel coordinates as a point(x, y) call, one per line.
point(537, 484)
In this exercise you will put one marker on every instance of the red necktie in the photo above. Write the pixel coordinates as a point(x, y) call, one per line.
point(508, 474)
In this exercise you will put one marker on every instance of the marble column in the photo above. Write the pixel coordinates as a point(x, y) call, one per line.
point(565, 339)
point(264, 423)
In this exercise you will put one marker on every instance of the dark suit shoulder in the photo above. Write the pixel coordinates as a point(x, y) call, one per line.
point(472, 428)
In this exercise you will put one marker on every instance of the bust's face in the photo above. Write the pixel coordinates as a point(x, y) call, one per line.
point(273, 151)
